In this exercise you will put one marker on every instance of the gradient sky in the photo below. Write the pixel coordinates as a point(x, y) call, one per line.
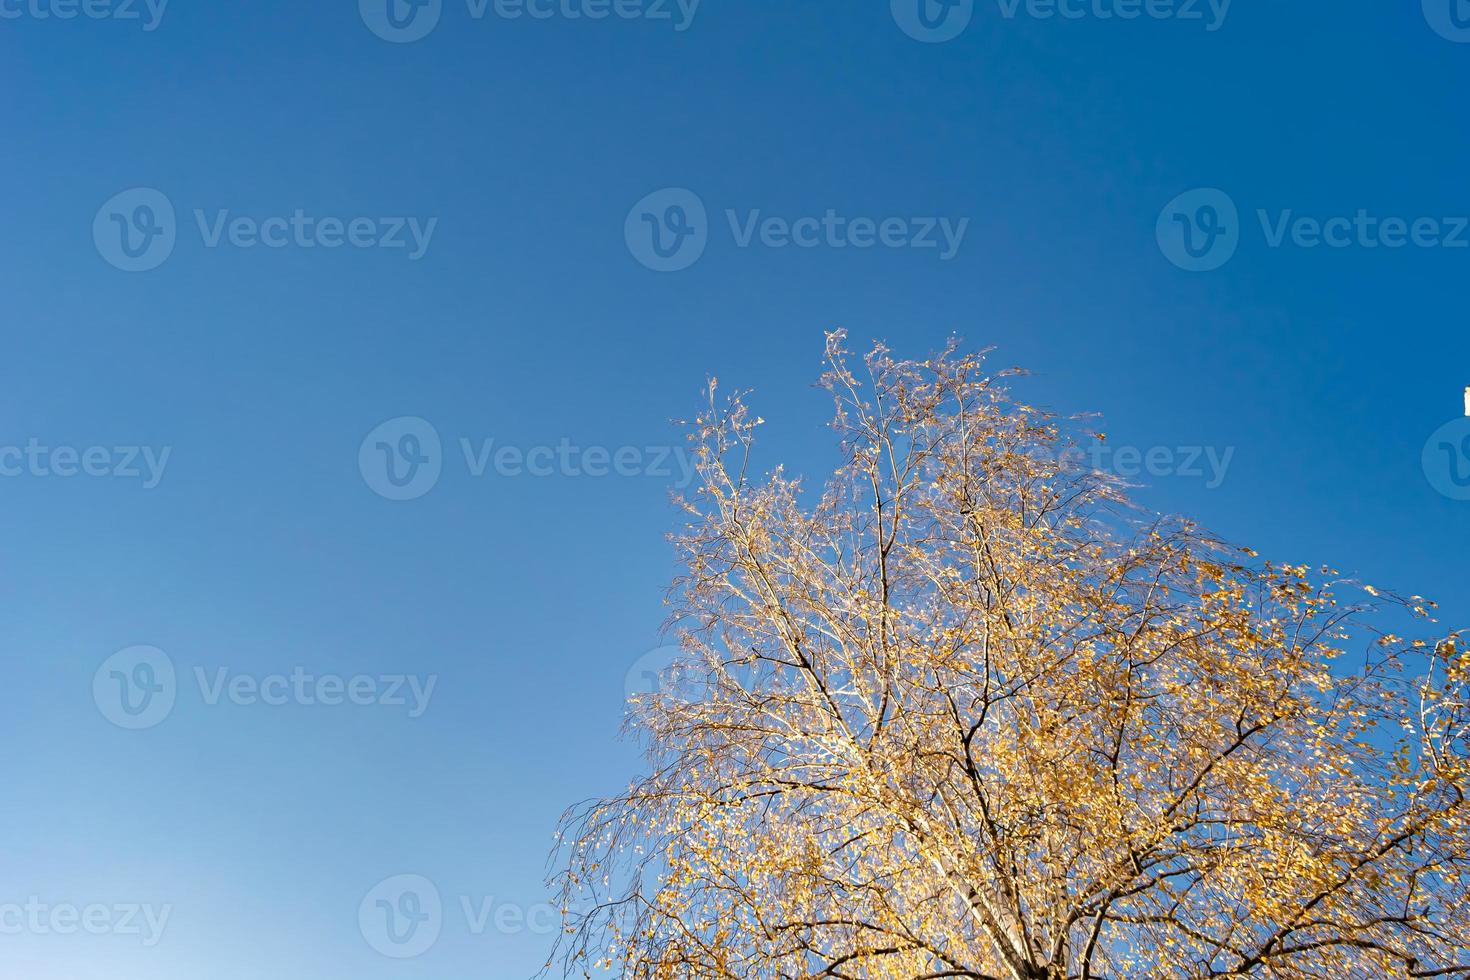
point(529, 320)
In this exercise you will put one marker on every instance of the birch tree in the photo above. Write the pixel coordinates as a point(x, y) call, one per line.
point(963, 711)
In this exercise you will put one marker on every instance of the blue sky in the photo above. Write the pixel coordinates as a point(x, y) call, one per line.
point(1067, 156)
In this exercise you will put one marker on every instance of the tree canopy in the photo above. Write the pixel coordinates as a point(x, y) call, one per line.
point(963, 711)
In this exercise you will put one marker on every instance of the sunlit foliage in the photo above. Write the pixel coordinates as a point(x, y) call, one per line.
point(963, 712)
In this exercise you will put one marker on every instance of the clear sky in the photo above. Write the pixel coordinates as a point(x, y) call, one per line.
point(1044, 157)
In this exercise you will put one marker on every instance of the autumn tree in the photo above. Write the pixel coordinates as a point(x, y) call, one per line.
point(964, 712)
